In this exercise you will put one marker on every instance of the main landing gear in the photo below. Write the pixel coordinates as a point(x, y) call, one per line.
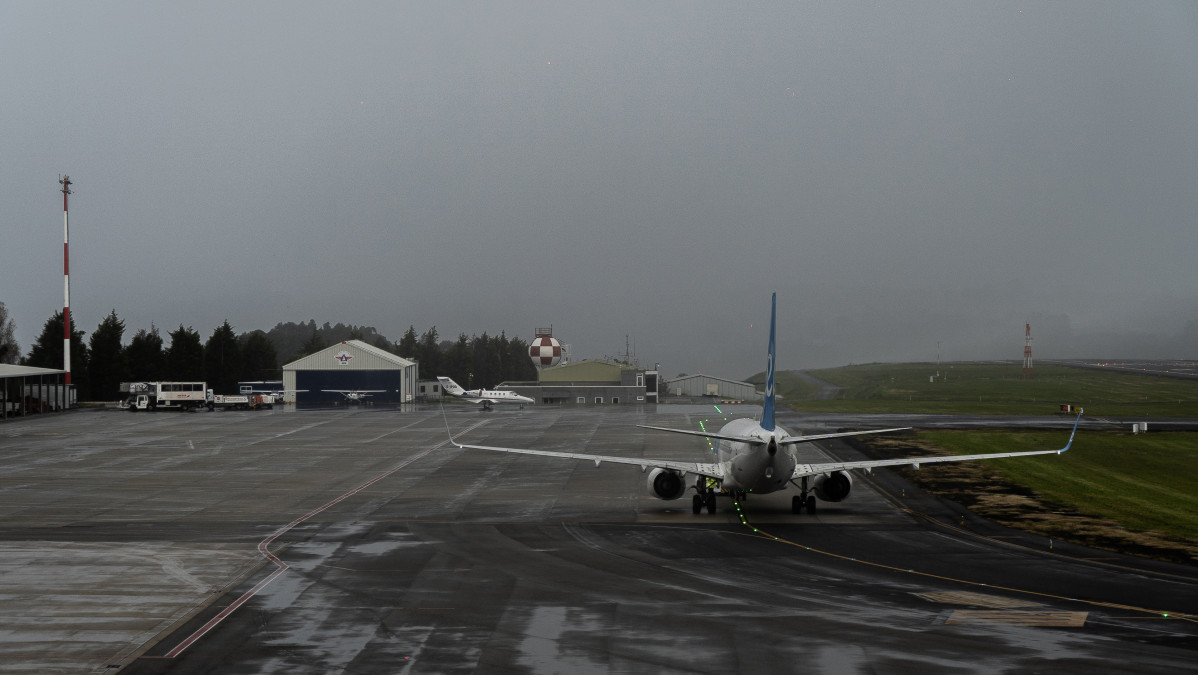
point(803, 500)
point(704, 496)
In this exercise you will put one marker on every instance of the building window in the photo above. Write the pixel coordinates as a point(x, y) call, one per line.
point(615, 400)
point(598, 399)
point(581, 399)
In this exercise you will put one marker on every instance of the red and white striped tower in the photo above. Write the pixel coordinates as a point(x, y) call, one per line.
point(1027, 351)
point(66, 280)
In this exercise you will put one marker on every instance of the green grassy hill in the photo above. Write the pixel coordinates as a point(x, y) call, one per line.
point(1113, 490)
point(988, 388)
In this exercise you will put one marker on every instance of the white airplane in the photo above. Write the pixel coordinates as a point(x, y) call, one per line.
point(758, 458)
point(483, 396)
point(355, 396)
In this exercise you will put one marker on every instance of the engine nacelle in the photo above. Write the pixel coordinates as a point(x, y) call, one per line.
point(832, 487)
point(666, 484)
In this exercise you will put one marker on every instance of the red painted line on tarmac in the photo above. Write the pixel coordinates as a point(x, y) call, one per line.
point(263, 548)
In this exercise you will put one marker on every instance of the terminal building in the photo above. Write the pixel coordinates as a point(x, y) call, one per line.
point(590, 382)
point(350, 366)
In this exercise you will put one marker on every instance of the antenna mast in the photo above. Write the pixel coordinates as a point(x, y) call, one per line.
point(65, 181)
point(1027, 351)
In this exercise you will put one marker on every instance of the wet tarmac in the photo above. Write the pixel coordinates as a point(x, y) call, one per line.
point(360, 541)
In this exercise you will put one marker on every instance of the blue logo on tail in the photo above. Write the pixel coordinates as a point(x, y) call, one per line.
point(767, 412)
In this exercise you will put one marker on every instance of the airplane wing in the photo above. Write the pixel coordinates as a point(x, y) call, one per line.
point(794, 440)
point(699, 468)
point(914, 462)
point(706, 434)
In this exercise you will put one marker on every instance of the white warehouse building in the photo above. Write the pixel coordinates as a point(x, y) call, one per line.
point(715, 387)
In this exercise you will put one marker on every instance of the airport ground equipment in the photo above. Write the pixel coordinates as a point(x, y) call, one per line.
point(167, 395)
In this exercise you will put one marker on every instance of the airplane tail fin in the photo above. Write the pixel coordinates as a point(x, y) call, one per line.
point(450, 387)
point(767, 411)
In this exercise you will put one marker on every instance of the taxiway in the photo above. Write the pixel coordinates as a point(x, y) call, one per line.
point(360, 541)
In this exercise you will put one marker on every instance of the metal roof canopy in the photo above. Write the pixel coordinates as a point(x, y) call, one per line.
point(48, 384)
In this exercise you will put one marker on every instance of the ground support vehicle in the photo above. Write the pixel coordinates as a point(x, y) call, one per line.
point(166, 395)
point(241, 401)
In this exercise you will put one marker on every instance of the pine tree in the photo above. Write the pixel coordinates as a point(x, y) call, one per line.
point(47, 350)
point(10, 351)
point(107, 367)
point(185, 357)
point(144, 356)
point(259, 359)
point(222, 360)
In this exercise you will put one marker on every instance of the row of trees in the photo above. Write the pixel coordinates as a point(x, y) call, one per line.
point(98, 367)
point(104, 361)
point(479, 361)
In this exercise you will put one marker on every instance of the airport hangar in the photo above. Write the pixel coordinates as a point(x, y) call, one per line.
point(350, 365)
point(716, 387)
point(590, 382)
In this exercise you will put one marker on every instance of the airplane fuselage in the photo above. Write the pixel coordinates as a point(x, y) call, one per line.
point(755, 467)
point(496, 395)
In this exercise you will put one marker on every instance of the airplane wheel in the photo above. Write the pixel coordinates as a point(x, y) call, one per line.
point(811, 505)
point(711, 502)
point(796, 504)
point(697, 505)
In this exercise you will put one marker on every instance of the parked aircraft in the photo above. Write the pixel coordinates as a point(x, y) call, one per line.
point(355, 396)
point(757, 457)
point(483, 396)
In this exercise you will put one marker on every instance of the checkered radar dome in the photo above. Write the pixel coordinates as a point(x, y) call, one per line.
point(545, 352)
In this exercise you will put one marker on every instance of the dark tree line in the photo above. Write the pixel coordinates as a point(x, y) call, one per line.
point(296, 340)
point(98, 367)
point(478, 361)
point(104, 361)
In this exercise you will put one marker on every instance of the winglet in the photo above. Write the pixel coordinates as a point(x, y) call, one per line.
point(767, 411)
point(447, 431)
point(1071, 434)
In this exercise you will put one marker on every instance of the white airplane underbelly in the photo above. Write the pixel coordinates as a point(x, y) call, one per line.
point(754, 469)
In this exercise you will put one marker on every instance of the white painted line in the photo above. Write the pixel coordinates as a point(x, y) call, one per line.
point(263, 546)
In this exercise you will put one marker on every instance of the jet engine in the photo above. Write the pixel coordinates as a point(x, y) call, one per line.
point(832, 487)
point(666, 484)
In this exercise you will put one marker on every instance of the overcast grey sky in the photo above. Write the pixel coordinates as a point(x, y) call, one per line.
point(902, 173)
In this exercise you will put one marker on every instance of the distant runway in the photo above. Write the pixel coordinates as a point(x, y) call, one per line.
point(358, 540)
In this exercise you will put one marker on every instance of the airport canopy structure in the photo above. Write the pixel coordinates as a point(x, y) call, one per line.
point(350, 366)
point(25, 390)
point(717, 387)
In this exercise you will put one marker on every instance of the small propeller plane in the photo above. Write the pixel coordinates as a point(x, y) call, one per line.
point(757, 458)
point(355, 396)
point(483, 396)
